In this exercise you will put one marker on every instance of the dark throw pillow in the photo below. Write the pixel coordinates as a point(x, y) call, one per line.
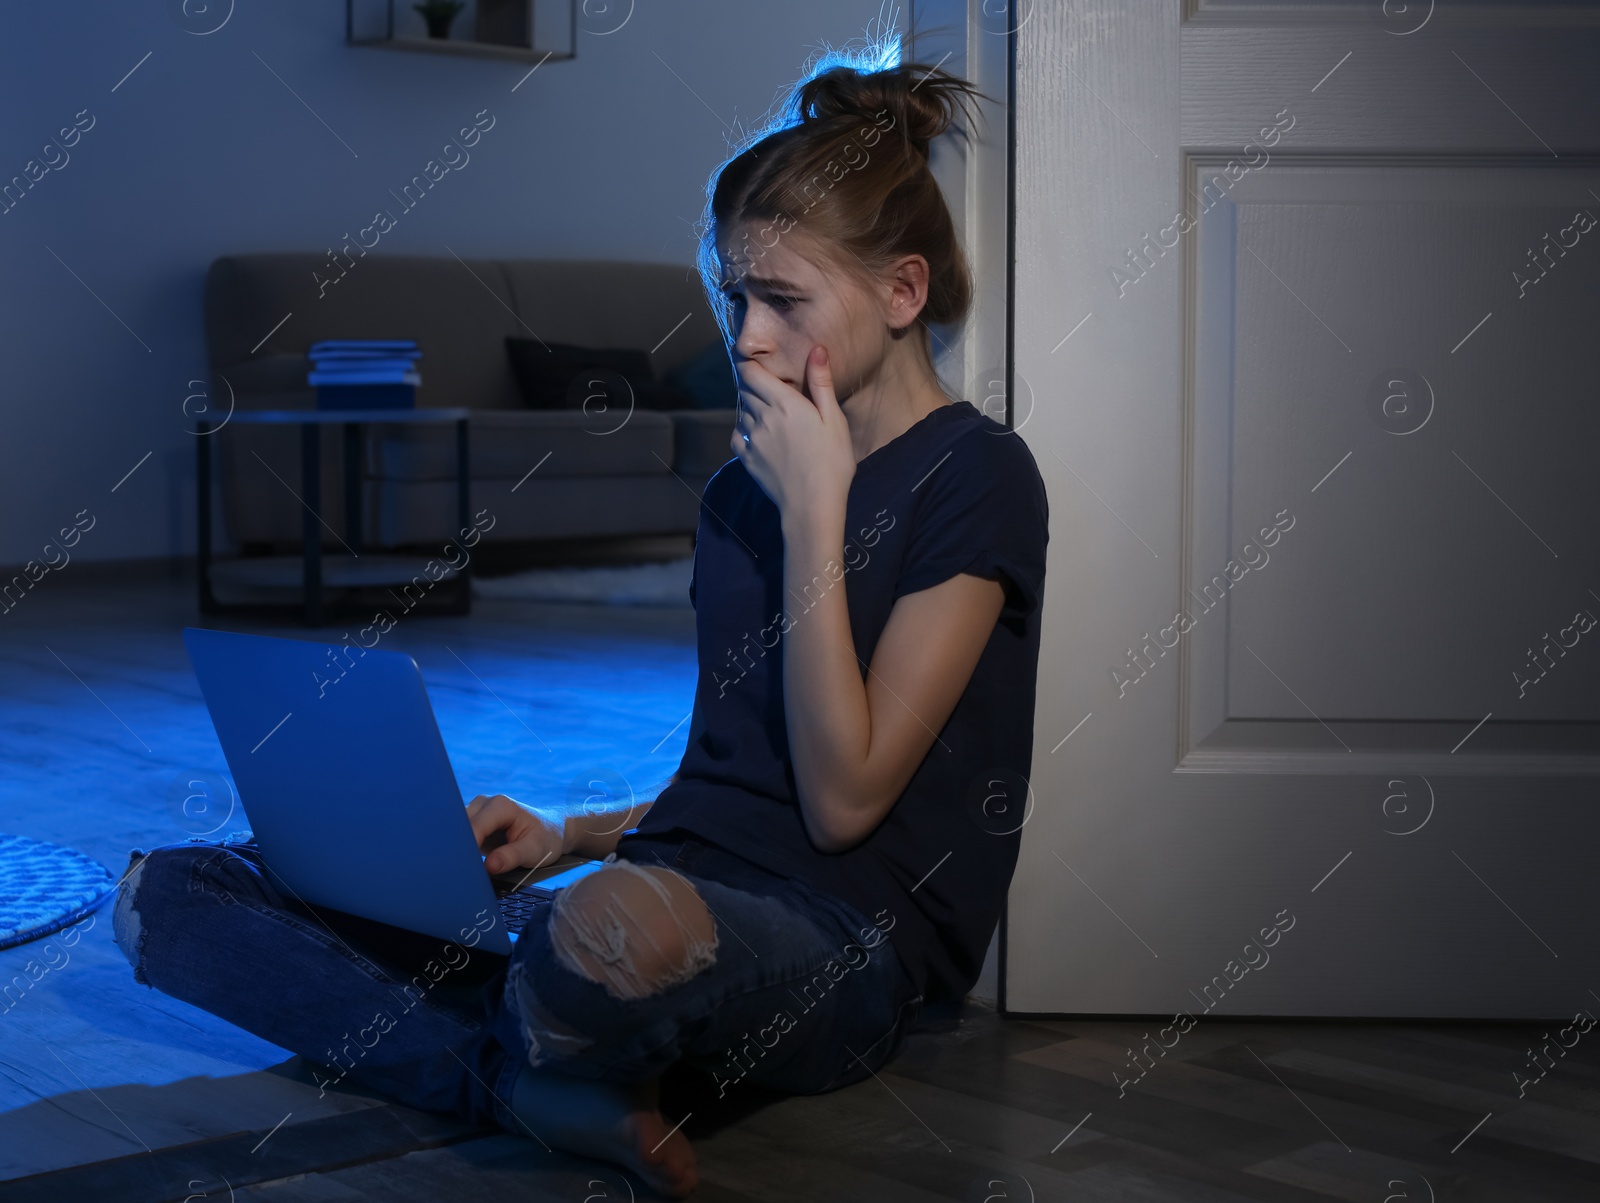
point(564, 376)
point(707, 376)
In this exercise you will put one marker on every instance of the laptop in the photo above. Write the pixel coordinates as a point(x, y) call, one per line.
point(349, 792)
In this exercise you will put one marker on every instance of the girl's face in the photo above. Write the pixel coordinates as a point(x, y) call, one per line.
point(787, 297)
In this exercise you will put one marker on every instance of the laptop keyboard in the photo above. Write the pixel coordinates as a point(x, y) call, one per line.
point(517, 909)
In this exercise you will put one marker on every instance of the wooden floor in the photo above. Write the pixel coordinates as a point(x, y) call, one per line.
point(999, 1109)
point(112, 1091)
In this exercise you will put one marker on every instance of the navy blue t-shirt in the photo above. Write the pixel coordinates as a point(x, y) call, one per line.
point(955, 493)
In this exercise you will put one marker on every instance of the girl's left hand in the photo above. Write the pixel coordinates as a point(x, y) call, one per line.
point(797, 448)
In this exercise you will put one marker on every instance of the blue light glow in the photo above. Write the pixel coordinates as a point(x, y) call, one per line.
point(879, 52)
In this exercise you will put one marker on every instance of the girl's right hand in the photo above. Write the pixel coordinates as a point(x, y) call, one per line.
point(513, 835)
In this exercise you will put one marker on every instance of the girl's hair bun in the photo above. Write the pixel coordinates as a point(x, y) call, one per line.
point(922, 101)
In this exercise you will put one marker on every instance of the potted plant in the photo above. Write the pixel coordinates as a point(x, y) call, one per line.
point(439, 14)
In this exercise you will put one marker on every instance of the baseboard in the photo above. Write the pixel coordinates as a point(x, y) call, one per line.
point(117, 571)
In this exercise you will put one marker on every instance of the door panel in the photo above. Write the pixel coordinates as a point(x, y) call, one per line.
point(1318, 725)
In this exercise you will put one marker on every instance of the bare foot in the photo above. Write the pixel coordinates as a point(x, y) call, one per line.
point(615, 1123)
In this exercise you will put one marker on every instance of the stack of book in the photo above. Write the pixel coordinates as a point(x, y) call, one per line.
point(360, 373)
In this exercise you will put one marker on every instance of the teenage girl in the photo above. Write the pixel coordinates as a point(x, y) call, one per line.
point(827, 865)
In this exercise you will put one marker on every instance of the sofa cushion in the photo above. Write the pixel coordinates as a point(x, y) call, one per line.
point(700, 437)
point(506, 444)
point(458, 311)
point(556, 507)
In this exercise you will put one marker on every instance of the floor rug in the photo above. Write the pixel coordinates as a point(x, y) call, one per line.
point(661, 584)
point(44, 887)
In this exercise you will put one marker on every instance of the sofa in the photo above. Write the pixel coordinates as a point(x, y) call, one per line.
point(595, 473)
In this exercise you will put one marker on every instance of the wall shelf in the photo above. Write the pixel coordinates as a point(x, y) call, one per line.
point(464, 48)
point(502, 29)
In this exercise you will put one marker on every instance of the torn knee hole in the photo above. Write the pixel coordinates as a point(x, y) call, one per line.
point(126, 930)
point(635, 930)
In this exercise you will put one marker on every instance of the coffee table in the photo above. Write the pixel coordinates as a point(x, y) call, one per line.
point(385, 569)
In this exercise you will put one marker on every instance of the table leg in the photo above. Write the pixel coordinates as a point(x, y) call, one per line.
point(202, 510)
point(352, 486)
point(463, 482)
point(464, 510)
point(311, 495)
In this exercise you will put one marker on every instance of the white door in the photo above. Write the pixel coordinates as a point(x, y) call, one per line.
point(1319, 710)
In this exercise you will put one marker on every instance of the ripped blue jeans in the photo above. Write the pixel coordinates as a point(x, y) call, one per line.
point(795, 990)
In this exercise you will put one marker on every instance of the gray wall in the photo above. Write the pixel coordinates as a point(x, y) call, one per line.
point(202, 151)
